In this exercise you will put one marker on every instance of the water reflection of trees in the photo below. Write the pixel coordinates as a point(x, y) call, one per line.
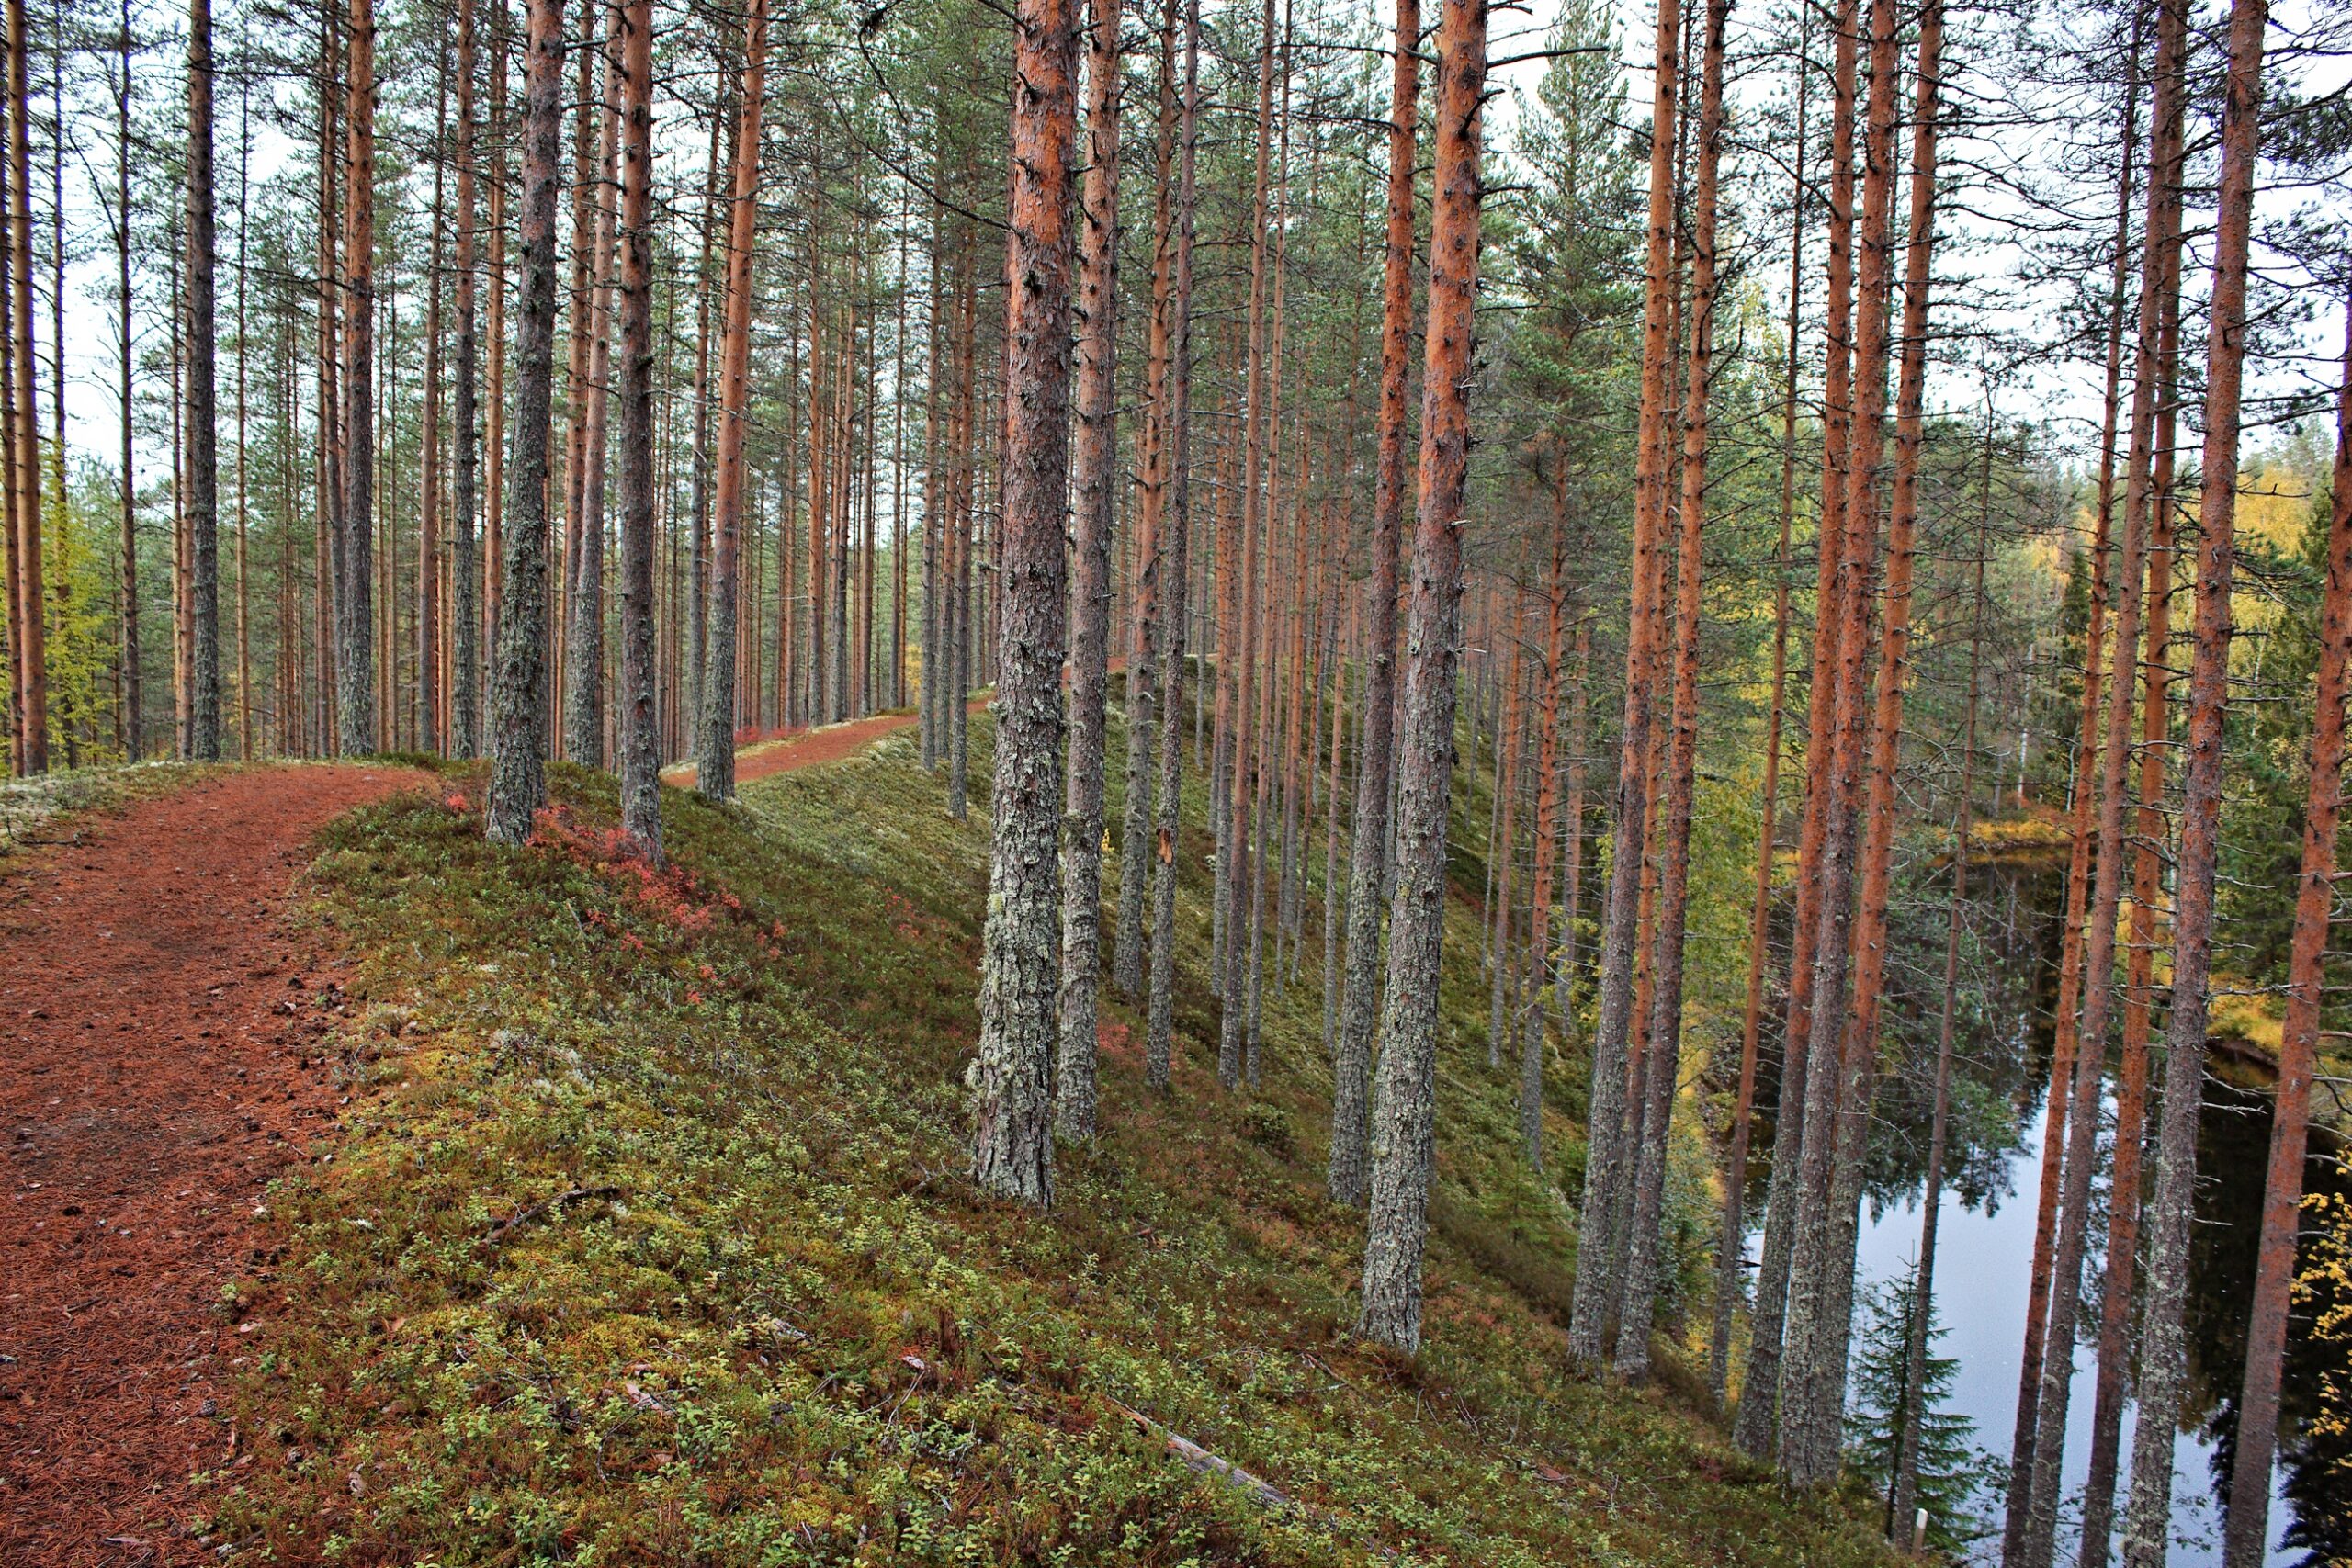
point(1999, 1032)
point(2006, 999)
point(2232, 1151)
point(2000, 1039)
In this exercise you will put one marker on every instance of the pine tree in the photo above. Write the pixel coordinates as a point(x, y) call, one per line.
point(640, 756)
point(1368, 856)
point(203, 468)
point(1074, 1086)
point(1020, 971)
point(2163, 1355)
point(1403, 1095)
point(518, 707)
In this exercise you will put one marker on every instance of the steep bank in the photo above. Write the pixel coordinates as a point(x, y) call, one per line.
point(649, 1240)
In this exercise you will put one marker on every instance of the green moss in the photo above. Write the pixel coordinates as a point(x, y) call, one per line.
point(45, 807)
point(649, 1241)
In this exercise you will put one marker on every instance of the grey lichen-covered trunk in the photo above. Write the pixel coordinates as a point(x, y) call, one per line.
point(583, 652)
point(202, 466)
point(1245, 739)
point(715, 752)
point(1758, 1418)
point(1135, 829)
point(1150, 631)
point(640, 746)
point(1334, 884)
point(1160, 1026)
point(1404, 1099)
point(1013, 1151)
point(1097, 460)
point(1757, 1426)
point(1822, 1279)
point(518, 699)
point(356, 597)
point(1645, 1246)
point(465, 676)
point(1368, 852)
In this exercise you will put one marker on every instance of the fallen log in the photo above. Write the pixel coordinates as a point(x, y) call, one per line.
point(1197, 1458)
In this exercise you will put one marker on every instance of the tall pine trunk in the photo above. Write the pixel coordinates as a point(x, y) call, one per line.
point(2245, 1533)
point(1097, 462)
point(715, 751)
point(25, 410)
point(1860, 1047)
point(2107, 795)
point(1237, 660)
point(465, 605)
point(1151, 635)
point(1368, 848)
point(1757, 1423)
point(2150, 486)
point(2058, 1104)
point(1405, 1091)
point(356, 601)
point(327, 610)
point(430, 589)
point(493, 552)
point(203, 466)
point(1813, 1333)
point(518, 698)
point(1643, 1247)
point(1159, 1032)
point(583, 646)
point(131, 692)
point(1012, 1149)
point(699, 597)
point(641, 742)
point(1607, 1172)
point(1731, 1242)
point(2162, 1352)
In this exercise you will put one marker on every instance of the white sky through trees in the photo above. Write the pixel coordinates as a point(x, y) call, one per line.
point(2023, 160)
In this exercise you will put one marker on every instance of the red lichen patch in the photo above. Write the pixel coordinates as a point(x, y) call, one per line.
point(1118, 1043)
point(160, 1062)
point(675, 900)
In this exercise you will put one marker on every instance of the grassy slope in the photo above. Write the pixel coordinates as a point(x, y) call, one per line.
point(773, 1323)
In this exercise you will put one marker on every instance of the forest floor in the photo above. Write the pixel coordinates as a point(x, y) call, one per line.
point(647, 1239)
point(161, 1061)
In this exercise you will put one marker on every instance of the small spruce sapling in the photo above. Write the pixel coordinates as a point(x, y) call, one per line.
point(1957, 1478)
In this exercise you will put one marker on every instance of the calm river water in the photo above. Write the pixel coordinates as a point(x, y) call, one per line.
point(1984, 1256)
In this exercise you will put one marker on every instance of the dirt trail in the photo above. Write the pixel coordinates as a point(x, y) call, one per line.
point(158, 1066)
point(805, 748)
point(782, 751)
